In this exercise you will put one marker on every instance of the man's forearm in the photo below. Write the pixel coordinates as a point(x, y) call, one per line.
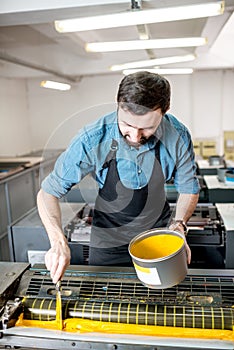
point(50, 214)
point(185, 206)
point(58, 256)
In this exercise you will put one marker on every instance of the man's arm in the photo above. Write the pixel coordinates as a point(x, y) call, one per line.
point(185, 207)
point(58, 256)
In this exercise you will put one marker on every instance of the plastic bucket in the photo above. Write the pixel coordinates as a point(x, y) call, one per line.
point(159, 257)
point(229, 177)
point(221, 174)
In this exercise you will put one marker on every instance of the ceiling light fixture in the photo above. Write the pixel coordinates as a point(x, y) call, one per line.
point(140, 16)
point(109, 46)
point(160, 71)
point(55, 85)
point(152, 62)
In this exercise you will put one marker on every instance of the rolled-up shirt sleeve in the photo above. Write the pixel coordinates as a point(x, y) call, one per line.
point(177, 155)
point(185, 179)
point(70, 167)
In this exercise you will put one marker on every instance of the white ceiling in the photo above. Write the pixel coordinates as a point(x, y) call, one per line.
point(31, 47)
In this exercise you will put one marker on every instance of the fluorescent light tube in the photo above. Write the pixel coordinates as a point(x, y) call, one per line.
point(137, 17)
point(109, 46)
point(161, 71)
point(152, 62)
point(55, 85)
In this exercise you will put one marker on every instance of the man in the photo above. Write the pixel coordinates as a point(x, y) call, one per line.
point(131, 153)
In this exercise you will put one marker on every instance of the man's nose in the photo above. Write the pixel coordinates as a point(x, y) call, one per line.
point(135, 134)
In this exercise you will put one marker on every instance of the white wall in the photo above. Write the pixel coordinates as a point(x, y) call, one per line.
point(56, 116)
point(15, 133)
point(37, 118)
point(181, 98)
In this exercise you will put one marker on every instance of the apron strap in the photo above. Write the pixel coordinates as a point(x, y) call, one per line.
point(157, 151)
point(111, 155)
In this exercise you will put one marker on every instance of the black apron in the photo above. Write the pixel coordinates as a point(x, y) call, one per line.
point(120, 213)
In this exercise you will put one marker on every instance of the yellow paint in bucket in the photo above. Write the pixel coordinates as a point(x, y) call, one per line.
point(155, 247)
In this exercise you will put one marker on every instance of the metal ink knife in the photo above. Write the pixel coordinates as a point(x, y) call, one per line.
point(59, 315)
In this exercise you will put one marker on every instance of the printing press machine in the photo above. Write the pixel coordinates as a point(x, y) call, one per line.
point(211, 235)
point(109, 308)
point(211, 165)
point(218, 191)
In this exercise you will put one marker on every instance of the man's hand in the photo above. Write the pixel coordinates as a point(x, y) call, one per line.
point(57, 259)
point(175, 227)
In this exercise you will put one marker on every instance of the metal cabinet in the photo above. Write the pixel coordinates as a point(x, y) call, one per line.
point(3, 210)
point(18, 193)
point(27, 236)
point(21, 194)
point(4, 220)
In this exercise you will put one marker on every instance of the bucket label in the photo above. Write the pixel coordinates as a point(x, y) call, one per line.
point(148, 275)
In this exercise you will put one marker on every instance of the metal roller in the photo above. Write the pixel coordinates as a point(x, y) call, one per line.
point(133, 313)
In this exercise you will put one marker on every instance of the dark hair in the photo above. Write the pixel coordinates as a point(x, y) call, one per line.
point(144, 91)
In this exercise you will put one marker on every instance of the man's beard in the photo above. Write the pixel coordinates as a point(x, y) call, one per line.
point(142, 141)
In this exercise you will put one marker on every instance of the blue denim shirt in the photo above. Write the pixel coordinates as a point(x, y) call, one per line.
point(87, 153)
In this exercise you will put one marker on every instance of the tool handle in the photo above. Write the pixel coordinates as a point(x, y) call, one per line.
point(58, 286)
